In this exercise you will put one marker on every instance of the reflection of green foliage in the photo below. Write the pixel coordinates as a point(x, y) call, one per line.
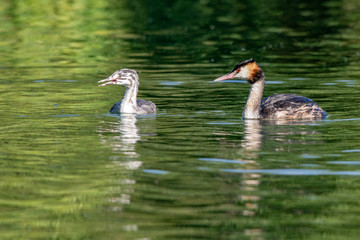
point(50, 33)
point(63, 175)
point(87, 32)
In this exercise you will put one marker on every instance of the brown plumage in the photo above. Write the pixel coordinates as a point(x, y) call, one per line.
point(255, 72)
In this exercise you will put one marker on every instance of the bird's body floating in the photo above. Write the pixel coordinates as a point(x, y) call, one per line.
point(129, 103)
point(278, 106)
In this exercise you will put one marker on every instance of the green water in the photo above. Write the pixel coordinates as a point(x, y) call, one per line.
point(195, 170)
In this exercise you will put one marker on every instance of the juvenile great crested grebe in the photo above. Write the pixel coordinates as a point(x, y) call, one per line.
point(129, 103)
point(278, 106)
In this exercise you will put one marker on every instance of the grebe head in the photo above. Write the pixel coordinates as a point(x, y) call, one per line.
point(125, 77)
point(248, 70)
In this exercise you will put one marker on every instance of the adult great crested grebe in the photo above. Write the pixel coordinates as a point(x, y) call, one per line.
point(129, 103)
point(278, 106)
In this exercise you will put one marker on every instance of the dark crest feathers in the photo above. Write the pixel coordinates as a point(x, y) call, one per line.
point(243, 63)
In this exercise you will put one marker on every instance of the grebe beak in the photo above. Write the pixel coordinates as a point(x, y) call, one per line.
point(228, 76)
point(107, 81)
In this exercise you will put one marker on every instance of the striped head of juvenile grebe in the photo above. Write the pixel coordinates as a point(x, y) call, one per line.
point(125, 77)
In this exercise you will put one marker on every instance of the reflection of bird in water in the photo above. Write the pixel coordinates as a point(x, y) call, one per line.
point(278, 106)
point(129, 104)
point(129, 134)
point(121, 135)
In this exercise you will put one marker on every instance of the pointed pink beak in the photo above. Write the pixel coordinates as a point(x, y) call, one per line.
point(226, 76)
point(108, 81)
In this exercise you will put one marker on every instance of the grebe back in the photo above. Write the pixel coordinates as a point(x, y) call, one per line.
point(129, 104)
point(278, 106)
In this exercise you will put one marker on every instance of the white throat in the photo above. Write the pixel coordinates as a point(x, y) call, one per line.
point(252, 106)
point(128, 103)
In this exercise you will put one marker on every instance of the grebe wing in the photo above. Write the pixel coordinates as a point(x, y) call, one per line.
point(145, 107)
point(115, 108)
point(290, 106)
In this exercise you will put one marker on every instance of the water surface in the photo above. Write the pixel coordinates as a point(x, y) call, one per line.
point(195, 170)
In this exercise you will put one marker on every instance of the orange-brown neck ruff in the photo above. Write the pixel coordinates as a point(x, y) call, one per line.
point(255, 72)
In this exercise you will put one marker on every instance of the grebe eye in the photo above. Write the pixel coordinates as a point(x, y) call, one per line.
point(238, 70)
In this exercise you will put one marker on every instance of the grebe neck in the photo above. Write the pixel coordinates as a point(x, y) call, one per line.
point(128, 104)
point(252, 106)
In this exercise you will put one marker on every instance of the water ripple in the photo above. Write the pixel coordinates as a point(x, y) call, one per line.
point(222, 160)
point(294, 172)
point(351, 150)
point(345, 162)
point(155, 171)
